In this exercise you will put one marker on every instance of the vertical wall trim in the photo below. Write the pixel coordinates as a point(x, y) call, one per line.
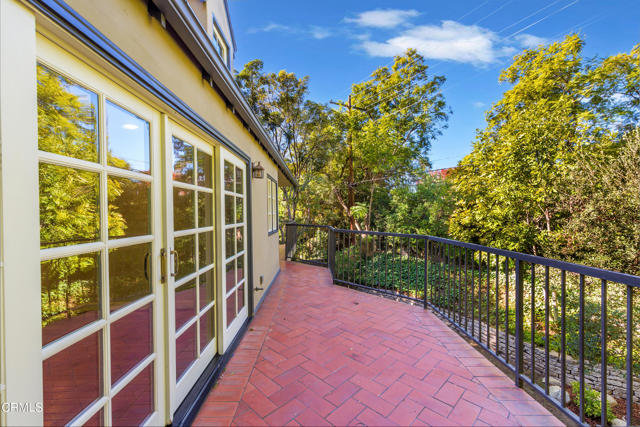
point(19, 217)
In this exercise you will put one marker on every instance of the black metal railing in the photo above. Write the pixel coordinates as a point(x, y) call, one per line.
point(307, 243)
point(548, 321)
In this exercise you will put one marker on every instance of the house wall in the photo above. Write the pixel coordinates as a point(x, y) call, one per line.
point(128, 25)
point(155, 50)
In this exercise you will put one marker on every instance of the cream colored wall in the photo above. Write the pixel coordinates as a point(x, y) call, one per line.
point(155, 50)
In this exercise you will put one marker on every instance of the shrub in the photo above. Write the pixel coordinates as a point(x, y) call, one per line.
point(592, 404)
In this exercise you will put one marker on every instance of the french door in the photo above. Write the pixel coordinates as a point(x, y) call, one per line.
point(100, 238)
point(233, 222)
point(191, 243)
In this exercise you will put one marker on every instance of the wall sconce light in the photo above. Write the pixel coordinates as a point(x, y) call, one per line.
point(257, 171)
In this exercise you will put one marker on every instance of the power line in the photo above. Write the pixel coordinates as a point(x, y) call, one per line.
point(494, 12)
point(528, 16)
point(542, 19)
point(396, 93)
point(472, 10)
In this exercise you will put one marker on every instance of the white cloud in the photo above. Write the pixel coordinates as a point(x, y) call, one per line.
point(479, 104)
point(383, 18)
point(314, 31)
point(271, 27)
point(319, 32)
point(529, 41)
point(448, 41)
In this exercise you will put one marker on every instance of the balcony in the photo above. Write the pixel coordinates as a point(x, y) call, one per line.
point(321, 354)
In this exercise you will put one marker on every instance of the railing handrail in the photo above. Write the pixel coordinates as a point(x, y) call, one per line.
point(598, 273)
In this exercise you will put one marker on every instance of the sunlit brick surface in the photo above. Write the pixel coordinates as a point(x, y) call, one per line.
point(319, 354)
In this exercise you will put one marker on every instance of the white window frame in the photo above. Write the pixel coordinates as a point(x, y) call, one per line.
point(272, 205)
point(219, 39)
point(66, 63)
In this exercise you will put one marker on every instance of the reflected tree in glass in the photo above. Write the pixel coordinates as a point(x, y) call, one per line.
point(182, 161)
point(70, 294)
point(67, 117)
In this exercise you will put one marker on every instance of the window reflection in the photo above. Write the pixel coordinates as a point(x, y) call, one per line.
point(182, 161)
point(127, 140)
point(67, 117)
point(229, 208)
point(207, 328)
point(185, 303)
point(97, 420)
point(185, 350)
point(205, 248)
point(240, 268)
point(240, 239)
point(70, 294)
point(228, 176)
point(239, 210)
point(184, 217)
point(239, 180)
point(206, 288)
point(204, 170)
point(72, 380)
point(69, 206)
point(134, 403)
point(131, 341)
point(230, 275)
point(231, 308)
point(230, 242)
point(129, 207)
point(240, 295)
point(186, 249)
point(205, 209)
point(129, 280)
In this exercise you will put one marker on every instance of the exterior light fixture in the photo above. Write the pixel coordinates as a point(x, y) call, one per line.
point(257, 171)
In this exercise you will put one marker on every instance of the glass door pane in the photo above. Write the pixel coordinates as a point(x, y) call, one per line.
point(234, 248)
point(97, 244)
point(192, 262)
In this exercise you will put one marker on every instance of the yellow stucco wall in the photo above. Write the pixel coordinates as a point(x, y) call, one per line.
point(128, 24)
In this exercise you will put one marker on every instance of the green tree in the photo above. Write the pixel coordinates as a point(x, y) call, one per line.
point(298, 126)
point(386, 140)
point(554, 111)
point(422, 208)
point(601, 196)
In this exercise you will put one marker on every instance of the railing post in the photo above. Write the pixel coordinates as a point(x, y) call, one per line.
point(519, 325)
point(331, 251)
point(426, 269)
point(291, 237)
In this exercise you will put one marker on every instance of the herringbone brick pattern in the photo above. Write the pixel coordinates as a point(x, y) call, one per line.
point(318, 354)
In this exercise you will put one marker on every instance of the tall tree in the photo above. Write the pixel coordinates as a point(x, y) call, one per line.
point(386, 139)
point(296, 124)
point(558, 105)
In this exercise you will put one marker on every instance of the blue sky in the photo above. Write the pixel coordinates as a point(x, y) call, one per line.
point(337, 43)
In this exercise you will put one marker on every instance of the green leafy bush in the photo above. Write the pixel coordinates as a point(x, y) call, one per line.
point(592, 404)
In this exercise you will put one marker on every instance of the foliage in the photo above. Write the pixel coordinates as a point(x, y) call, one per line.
point(600, 195)
point(422, 208)
point(554, 113)
point(592, 402)
point(298, 126)
point(385, 139)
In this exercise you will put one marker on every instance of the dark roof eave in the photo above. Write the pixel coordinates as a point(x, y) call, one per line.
point(184, 22)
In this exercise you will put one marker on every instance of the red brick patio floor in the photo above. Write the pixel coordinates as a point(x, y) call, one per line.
point(319, 354)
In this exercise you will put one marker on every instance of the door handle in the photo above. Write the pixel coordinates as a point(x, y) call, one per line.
point(176, 262)
point(146, 264)
point(163, 268)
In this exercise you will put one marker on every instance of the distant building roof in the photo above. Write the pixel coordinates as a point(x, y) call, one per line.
point(441, 173)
